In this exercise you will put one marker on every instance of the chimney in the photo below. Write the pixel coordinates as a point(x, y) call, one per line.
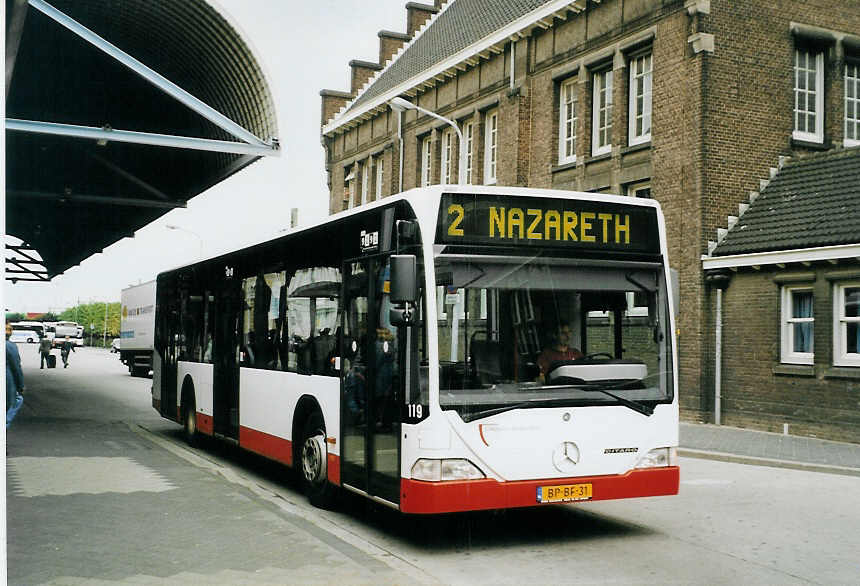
point(416, 15)
point(332, 102)
point(389, 44)
point(361, 72)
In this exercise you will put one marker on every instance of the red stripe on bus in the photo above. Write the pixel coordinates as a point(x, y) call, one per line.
point(333, 468)
point(205, 424)
point(270, 446)
point(417, 496)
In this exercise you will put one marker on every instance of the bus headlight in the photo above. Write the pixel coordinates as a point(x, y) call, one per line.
point(448, 469)
point(659, 458)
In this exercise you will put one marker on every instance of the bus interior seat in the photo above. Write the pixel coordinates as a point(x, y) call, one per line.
point(323, 347)
point(304, 354)
point(487, 361)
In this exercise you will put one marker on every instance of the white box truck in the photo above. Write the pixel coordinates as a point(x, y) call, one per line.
point(137, 328)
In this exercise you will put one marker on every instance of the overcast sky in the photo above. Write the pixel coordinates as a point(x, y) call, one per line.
point(304, 47)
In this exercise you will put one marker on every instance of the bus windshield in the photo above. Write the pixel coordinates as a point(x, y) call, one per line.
point(536, 332)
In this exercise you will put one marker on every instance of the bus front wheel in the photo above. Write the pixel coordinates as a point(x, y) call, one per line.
point(189, 423)
point(313, 464)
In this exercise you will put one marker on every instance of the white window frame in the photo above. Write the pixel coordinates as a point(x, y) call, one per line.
point(787, 322)
point(852, 86)
point(641, 67)
point(379, 176)
point(349, 180)
point(601, 108)
point(568, 119)
point(803, 94)
point(365, 180)
point(634, 190)
point(468, 136)
point(491, 146)
point(840, 329)
point(447, 155)
point(426, 159)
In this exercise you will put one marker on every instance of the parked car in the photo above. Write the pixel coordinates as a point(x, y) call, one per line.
point(114, 345)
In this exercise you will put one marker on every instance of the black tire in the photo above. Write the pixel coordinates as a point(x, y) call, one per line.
point(313, 464)
point(189, 423)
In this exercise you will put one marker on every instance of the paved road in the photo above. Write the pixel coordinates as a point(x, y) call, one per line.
point(101, 490)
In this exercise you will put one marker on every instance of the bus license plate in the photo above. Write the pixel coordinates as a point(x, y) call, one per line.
point(563, 493)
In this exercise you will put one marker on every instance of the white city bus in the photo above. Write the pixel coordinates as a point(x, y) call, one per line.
point(27, 331)
point(394, 350)
point(62, 329)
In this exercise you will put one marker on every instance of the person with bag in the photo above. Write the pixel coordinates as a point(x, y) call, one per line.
point(65, 348)
point(45, 351)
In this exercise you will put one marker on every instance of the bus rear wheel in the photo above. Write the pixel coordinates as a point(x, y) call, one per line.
point(313, 463)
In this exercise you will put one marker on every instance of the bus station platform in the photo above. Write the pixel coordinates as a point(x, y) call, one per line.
point(761, 448)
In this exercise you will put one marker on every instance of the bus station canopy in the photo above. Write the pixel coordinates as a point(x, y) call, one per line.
point(116, 113)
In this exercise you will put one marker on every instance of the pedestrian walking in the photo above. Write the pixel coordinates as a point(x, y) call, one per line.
point(44, 351)
point(65, 348)
point(14, 379)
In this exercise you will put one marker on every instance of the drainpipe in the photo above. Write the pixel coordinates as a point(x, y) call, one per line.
point(719, 280)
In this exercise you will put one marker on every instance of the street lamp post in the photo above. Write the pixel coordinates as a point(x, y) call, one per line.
point(195, 234)
point(400, 105)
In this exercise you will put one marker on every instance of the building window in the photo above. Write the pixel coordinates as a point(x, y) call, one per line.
point(491, 141)
point(640, 99)
point(468, 135)
point(365, 180)
point(846, 327)
point(808, 95)
point(601, 136)
point(797, 325)
point(447, 151)
point(348, 187)
point(426, 154)
point(638, 190)
point(852, 104)
point(568, 118)
point(379, 171)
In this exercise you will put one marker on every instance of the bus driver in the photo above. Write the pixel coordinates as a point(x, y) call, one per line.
point(558, 350)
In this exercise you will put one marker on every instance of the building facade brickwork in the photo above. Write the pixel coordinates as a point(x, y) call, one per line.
point(722, 112)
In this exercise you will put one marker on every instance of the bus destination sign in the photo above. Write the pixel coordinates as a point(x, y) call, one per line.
point(546, 222)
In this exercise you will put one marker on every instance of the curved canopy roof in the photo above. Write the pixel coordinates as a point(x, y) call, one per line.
point(117, 112)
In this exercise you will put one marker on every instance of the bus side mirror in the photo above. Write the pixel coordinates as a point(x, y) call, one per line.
point(404, 278)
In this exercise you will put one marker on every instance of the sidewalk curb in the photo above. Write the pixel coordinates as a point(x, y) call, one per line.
point(772, 462)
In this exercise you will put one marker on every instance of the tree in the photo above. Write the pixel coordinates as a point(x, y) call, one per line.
point(11, 317)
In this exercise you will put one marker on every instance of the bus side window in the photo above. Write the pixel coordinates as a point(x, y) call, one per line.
point(262, 309)
point(312, 317)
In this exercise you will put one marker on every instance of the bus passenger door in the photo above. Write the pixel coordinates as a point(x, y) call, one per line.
point(225, 358)
point(167, 345)
point(370, 456)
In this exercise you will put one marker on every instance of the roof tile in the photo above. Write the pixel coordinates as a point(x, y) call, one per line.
point(813, 201)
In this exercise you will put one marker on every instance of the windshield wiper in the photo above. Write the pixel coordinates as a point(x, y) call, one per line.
point(557, 402)
point(646, 410)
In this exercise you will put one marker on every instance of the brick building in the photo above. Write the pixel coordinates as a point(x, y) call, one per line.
point(689, 102)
